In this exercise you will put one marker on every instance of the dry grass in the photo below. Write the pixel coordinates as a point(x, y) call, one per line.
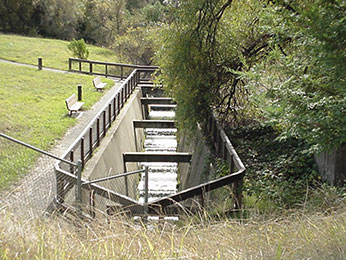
point(297, 236)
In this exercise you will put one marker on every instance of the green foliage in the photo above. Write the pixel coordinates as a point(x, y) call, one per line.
point(136, 46)
point(201, 53)
point(305, 73)
point(16, 15)
point(78, 49)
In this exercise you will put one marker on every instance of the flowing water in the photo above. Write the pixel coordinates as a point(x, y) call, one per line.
point(162, 176)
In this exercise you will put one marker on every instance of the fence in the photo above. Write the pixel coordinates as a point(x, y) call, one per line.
point(107, 69)
point(84, 146)
point(223, 149)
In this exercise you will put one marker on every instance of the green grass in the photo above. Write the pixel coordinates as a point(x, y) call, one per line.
point(32, 109)
point(54, 53)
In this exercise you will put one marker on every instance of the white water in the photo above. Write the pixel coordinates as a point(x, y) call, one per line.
point(162, 176)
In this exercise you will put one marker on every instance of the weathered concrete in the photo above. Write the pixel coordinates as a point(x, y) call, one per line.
point(108, 159)
point(197, 172)
point(332, 166)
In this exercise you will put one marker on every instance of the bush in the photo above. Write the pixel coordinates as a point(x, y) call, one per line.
point(78, 49)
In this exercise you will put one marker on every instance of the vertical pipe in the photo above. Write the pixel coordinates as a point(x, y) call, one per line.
point(82, 151)
point(79, 185)
point(92, 203)
point(146, 189)
point(71, 159)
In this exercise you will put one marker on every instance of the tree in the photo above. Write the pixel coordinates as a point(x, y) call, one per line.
point(16, 16)
point(60, 18)
point(104, 20)
point(201, 52)
point(305, 72)
point(78, 49)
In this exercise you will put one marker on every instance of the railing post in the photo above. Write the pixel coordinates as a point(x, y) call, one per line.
point(90, 68)
point(106, 70)
point(69, 64)
point(109, 115)
point(82, 151)
point(79, 185)
point(146, 189)
point(121, 72)
point(91, 141)
point(80, 66)
point(72, 160)
point(98, 131)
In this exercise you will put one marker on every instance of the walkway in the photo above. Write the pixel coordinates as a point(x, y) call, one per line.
point(34, 193)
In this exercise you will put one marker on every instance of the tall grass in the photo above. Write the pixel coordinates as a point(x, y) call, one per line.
point(297, 236)
point(32, 109)
point(54, 53)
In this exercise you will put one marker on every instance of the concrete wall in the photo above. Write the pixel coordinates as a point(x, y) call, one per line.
point(332, 166)
point(108, 159)
point(197, 171)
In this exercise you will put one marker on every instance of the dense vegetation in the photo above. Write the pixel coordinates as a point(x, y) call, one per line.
point(123, 25)
point(281, 61)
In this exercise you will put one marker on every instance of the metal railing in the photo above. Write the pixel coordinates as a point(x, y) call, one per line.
point(223, 149)
point(90, 138)
point(107, 69)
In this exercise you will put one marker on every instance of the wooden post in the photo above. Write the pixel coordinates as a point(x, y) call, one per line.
point(91, 68)
point(69, 64)
point(39, 63)
point(79, 90)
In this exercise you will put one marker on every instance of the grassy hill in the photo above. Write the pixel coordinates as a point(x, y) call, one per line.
point(32, 106)
point(54, 53)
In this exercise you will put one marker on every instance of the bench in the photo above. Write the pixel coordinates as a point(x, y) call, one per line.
point(72, 104)
point(98, 84)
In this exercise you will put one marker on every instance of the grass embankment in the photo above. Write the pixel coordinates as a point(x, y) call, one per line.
point(54, 53)
point(317, 237)
point(32, 109)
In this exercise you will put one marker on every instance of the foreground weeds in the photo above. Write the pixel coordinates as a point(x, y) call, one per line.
point(293, 236)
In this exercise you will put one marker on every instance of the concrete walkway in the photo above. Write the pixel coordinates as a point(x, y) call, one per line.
point(34, 192)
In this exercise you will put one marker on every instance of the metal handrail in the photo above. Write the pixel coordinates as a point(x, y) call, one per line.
point(113, 177)
point(37, 149)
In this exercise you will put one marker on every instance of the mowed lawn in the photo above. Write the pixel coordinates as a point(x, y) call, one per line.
point(54, 53)
point(32, 109)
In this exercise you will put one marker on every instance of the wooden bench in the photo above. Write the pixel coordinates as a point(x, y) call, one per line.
point(72, 104)
point(98, 84)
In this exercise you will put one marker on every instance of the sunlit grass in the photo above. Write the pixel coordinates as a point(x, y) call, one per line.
point(32, 109)
point(54, 53)
point(295, 236)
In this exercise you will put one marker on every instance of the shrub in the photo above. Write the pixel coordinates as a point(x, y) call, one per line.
point(78, 49)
